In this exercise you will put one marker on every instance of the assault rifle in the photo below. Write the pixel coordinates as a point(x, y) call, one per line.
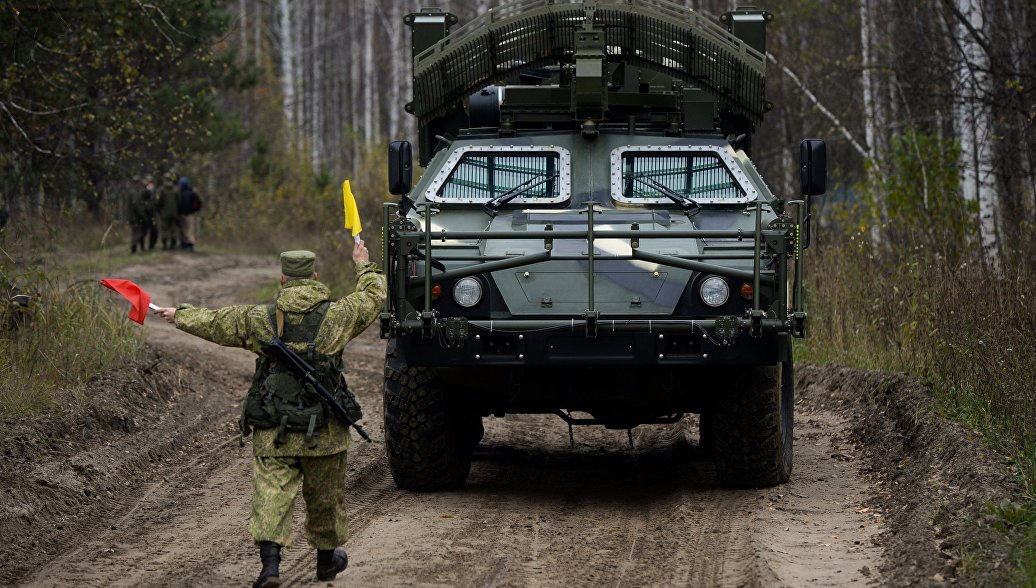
point(307, 375)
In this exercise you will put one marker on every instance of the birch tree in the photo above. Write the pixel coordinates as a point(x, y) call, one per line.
point(287, 47)
point(873, 123)
point(368, 73)
point(974, 124)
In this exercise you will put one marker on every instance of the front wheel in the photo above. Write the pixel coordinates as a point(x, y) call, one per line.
point(753, 428)
point(428, 439)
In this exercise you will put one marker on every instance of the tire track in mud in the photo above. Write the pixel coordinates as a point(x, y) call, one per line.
point(537, 510)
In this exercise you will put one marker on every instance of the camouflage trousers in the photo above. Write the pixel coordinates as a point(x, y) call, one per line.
point(276, 482)
point(170, 229)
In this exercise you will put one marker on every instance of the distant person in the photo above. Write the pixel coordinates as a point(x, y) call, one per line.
point(190, 204)
point(169, 212)
point(289, 454)
point(142, 218)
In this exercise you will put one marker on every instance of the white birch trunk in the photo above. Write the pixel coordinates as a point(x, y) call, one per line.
point(398, 60)
point(316, 57)
point(974, 122)
point(368, 74)
point(288, 68)
point(871, 117)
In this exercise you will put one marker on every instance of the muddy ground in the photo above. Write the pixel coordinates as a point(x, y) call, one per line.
point(149, 486)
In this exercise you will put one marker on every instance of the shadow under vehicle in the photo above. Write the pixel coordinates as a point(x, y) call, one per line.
point(590, 237)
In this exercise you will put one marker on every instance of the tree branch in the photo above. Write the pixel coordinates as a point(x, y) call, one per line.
point(865, 153)
point(14, 121)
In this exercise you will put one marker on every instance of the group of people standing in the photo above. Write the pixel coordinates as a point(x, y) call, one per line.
point(171, 213)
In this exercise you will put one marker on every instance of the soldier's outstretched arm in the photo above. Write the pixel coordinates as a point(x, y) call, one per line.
point(230, 326)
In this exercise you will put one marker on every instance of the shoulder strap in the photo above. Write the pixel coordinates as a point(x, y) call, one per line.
point(304, 332)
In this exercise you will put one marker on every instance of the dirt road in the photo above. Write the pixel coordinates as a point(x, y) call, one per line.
point(537, 510)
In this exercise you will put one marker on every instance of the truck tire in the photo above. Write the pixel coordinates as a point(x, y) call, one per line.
point(753, 429)
point(428, 441)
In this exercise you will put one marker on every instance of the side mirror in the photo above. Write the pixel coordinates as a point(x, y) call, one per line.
point(813, 176)
point(813, 167)
point(400, 168)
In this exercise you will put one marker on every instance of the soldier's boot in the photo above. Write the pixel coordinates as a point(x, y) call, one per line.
point(270, 555)
point(330, 563)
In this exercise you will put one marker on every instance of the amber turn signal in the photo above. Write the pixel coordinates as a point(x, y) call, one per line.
point(436, 291)
point(746, 291)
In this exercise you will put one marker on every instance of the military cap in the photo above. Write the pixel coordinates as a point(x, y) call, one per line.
point(298, 264)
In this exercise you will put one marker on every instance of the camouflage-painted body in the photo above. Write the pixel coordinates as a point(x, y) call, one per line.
point(248, 326)
point(596, 180)
point(276, 481)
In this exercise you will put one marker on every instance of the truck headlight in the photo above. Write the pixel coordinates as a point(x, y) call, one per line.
point(714, 291)
point(467, 292)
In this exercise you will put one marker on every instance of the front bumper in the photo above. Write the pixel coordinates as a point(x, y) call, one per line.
point(450, 343)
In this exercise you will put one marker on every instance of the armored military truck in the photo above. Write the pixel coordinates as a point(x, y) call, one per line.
point(589, 237)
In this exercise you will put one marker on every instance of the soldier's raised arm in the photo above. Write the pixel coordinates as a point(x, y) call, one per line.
point(351, 315)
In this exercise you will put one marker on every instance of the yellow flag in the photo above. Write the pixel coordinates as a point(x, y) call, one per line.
point(352, 213)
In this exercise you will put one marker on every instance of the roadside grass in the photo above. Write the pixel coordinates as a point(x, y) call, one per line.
point(963, 327)
point(68, 335)
point(1018, 521)
point(71, 331)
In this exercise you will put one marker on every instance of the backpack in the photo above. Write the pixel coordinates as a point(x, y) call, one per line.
point(277, 399)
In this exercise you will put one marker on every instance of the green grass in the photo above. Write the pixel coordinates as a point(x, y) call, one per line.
point(1018, 521)
point(71, 332)
point(964, 328)
point(72, 335)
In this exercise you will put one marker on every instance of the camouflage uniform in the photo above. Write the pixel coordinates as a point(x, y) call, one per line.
point(169, 214)
point(142, 219)
point(279, 470)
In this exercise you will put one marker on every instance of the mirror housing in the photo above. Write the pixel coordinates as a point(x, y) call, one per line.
point(400, 168)
point(813, 167)
point(813, 176)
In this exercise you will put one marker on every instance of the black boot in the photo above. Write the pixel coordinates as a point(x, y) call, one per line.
point(330, 563)
point(270, 554)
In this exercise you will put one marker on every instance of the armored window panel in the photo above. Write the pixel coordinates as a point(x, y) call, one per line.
point(476, 175)
point(704, 174)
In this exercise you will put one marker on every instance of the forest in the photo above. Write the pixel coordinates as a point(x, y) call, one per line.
point(923, 256)
point(927, 106)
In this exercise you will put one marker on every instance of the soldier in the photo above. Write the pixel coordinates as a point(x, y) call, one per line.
point(312, 453)
point(190, 204)
point(169, 212)
point(142, 218)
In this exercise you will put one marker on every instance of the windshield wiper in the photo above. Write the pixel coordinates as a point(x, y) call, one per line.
point(492, 206)
point(689, 205)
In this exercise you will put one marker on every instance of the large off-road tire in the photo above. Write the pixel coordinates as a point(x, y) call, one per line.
point(428, 433)
point(753, 428)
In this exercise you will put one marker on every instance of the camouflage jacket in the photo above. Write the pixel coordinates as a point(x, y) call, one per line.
point(169, 203)
point(142, 209)
point(249, 326)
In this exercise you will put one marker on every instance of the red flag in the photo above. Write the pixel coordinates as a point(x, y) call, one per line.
point(132, 292)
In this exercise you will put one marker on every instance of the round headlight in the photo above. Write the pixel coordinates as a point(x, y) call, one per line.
point(714, 291)
point(467, 292)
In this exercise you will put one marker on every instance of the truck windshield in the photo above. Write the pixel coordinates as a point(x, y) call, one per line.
point(488, 176)
point(659, 176)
